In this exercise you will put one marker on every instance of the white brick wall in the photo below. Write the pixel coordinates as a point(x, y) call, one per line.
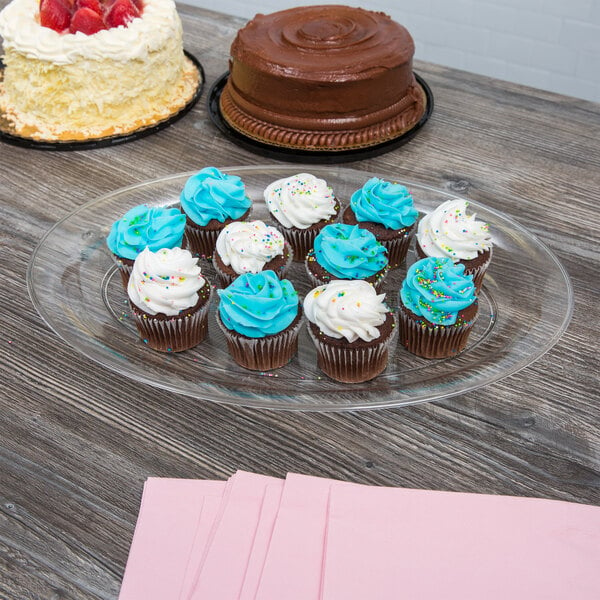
point(549, 44)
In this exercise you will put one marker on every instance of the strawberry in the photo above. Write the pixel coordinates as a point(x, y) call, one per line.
point(139, 4)
point(55, 14)
point(121, 13)
point(87, 21)
point(91, 4)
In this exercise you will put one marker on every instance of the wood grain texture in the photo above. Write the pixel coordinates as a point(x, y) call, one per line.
point(77, 442)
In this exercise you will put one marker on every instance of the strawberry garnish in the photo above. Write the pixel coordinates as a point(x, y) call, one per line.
point(91, 4)
point(121, 13)
point(87, 21)
point(88, 16)
point(55, 14)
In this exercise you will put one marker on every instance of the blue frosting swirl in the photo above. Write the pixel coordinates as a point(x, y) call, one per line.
point(144, 226)
point(437, 289)
point(349, 252)
point(380, 201)
point(210, 194)
point(258, 304)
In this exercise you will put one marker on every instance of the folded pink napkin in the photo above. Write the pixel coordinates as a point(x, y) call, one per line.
point(262, 541)
point(223, 569)
point(308, 538)
point(170, 513)
point(390, 543)
point(292, 569)
point(211, 508)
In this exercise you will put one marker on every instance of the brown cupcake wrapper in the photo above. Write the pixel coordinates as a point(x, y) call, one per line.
point(175, 334)
point(201, 241)
point(301, 240)
point(397, 249)
point(351, 365)
point(431, 341)
point(396, 241)
point(262, 354)
point(478, 274)
point(125, 268)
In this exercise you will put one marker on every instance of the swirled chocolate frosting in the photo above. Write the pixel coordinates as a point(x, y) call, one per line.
point(322, 77)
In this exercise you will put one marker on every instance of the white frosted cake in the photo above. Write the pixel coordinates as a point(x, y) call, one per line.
point(59, 85)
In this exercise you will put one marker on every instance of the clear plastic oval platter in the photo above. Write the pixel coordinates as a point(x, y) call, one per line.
point(525, 306)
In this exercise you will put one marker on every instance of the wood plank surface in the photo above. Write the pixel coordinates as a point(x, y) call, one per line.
point(77, 441)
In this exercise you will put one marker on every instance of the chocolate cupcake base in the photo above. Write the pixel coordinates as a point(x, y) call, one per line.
point(428, 340)
point(266, 353)
point(319, 276)
point(354, 362)
point(166, 333)
point(202, 239)
point(301, 240)
point(125, 266)
point(396, 241)
point(279, 265)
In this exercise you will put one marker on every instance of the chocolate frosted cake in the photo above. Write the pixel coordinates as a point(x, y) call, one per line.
point(322, 78)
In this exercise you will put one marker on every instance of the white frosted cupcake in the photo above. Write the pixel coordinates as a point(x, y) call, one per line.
point(302, 205)
point(449, 232)
point(250, 247)
point(352, 329)
point(169, 298)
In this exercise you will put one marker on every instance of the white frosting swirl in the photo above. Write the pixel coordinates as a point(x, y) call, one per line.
point(247, 246)
point(449, 232)
point(22, 32)
point(166, 281)
point(300, 201)
point(350, 309)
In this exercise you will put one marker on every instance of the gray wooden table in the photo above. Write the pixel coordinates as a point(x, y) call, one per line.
point(77, 441)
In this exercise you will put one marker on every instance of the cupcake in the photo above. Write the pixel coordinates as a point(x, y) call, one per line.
point(211, 200)
point(438, 307)
point(260, 316)
point(352, 329)
point(387, 210)
point(302, 205)
point(449, 232)
point(169, 298)
point(143, 226)
point(346, 252)
point(250, 247)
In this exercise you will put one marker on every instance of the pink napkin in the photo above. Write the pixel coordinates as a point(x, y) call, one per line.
point(388, 543)
point(171, 510)
point(292, 569)
point(223, 569)
point(202, 541)
point(262, 541)
point(210, 514)
point(306, 538)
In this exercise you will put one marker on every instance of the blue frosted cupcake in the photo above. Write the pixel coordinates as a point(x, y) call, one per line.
point(153, 227)
point(211, 200)
point(343, 251)
point(261, 317)
point(438, 308)
point(387, 210)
